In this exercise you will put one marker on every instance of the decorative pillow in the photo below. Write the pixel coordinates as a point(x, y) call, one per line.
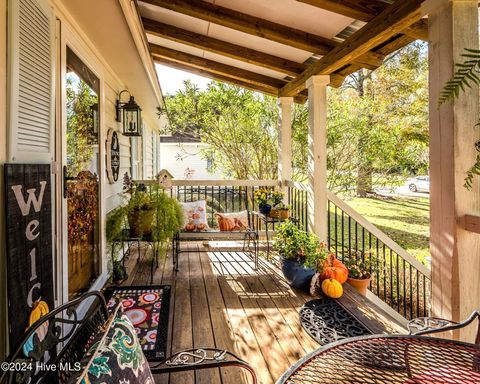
point(115, 356)
point(235, 221)
point(195, 216)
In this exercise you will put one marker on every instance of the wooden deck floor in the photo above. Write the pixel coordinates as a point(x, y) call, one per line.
point(218, 299)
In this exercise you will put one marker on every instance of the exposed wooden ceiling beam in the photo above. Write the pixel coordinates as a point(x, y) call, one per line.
point(399, 42)
point(419, 30)
point(366, 10)
point(258, 27)
point(269, 90)
point(223, 48)
point(193, 61)
point(227, 70)
point(363, 10)
point(387, 24)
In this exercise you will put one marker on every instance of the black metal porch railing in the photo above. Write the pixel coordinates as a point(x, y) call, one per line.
point(297, 199)
point(221, 196)
point(398, 278)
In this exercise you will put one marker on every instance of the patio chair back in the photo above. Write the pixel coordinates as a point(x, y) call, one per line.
point(430, 325)
point(59, 338)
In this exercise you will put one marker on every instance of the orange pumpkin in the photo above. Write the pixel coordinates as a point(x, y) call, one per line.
point(225, 224)
point(190, 227)
point(334, 269)
point(332, 288)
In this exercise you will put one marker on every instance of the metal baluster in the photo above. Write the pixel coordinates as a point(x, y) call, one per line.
point(343, 236)
point(411, 291)
point(329, 237)
point(404, 288)
point(349, 237)
point(377, 268)
point(336, 231)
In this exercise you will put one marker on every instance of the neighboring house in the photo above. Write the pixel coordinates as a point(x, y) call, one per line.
point(182, 156)
point(49, 50)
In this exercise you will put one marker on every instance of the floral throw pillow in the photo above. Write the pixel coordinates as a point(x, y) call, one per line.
point(115, 356)
point(195, 216)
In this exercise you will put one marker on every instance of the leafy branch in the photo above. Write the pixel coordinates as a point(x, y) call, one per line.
point(464, 77)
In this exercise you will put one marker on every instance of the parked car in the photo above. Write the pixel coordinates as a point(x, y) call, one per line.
point(420, 184)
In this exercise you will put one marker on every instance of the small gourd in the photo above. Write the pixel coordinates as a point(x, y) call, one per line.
point(334, 269)
point(332, 288)
point(40, 309)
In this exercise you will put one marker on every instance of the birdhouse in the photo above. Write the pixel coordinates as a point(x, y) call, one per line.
point(165, 178)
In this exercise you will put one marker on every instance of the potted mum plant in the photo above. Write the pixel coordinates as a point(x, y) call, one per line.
point(300, 254)
point(360, 272)
point(262, 198)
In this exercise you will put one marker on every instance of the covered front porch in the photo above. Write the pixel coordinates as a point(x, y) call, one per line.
point(219, 300)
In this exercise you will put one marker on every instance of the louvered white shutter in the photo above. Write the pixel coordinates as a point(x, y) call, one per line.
point(31, 87)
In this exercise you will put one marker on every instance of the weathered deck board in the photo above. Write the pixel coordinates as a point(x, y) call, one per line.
point(219, 299)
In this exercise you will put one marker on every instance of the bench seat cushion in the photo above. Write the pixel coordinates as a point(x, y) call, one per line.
point(115, 356)
point(213, 234)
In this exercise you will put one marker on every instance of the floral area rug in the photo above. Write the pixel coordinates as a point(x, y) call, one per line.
point(147, 307)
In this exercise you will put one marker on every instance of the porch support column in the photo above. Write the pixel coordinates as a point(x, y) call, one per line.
point(317, 154)
point(285, 114)
point(455, 252)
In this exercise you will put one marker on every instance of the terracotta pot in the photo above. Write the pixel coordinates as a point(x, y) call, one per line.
point(284, 214)
point(361, 285)
point(140, 222)
point(275, 213)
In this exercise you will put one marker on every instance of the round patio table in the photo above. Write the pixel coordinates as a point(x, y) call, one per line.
point(389, 359)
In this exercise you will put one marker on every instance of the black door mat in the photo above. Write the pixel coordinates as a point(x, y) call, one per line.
point(327, 321)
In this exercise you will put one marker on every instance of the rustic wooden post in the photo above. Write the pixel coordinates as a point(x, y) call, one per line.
point(453, 26)
point(317, 154)
point(285, 115)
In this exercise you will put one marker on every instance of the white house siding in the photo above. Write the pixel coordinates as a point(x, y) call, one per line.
point(111, 83)
point(148, 157)
point(177, 158)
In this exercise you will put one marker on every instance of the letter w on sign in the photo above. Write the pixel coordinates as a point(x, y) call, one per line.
point(32, 199)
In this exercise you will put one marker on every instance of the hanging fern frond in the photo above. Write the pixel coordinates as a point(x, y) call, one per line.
point(464, 77)
point(473, 171)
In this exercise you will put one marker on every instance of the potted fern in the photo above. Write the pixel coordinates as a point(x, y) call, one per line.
point(114, 227)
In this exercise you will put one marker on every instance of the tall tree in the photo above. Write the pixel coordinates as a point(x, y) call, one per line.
point(237, 124)
point(377, 126)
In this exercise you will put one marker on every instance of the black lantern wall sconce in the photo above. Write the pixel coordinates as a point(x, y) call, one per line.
point(131, 115)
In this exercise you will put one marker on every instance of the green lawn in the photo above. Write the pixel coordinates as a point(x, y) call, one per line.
point(405, 220)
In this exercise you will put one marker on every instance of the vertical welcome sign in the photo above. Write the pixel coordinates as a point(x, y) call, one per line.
point(29, 243)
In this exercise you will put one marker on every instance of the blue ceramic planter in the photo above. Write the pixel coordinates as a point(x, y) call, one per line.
point(297, 275)
point(265, 209)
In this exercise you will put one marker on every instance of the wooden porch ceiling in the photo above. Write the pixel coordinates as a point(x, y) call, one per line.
point(275, 50)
